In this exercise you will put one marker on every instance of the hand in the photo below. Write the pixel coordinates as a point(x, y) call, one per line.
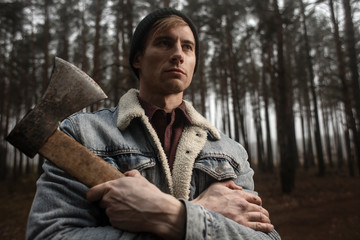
point(133, 204)
point(242, 207)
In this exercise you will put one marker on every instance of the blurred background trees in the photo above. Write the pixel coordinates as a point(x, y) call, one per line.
point(280, 77)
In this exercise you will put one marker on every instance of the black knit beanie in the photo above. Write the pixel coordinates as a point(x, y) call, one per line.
point(145, 25)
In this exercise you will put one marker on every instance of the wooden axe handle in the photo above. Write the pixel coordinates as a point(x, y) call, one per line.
point(78, 161)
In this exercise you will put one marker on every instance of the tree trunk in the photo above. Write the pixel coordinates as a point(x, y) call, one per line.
point(350, 120)
point(116, 75)
point(303, 136)
point(166, 3)
point(96, 53)
point(337, 140)
point(224, 91)
point(270, 71)
point(84, 31)
point(3, 167)
point(317, 131)
point(129, 80)
point(309, 126)
point(353, 65)
point(64, 32)
point(269, 149)
point(45, 76)
point(202, 82)
point(259, 133)
point(254, 78)
point(284, 112)
point(234, 89)
point(350, 154)
point(327, 136)
point(289, 73)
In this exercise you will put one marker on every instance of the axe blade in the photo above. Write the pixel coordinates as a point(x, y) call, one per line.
point(69, 91)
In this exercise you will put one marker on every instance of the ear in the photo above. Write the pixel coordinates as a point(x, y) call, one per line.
point(137, 60)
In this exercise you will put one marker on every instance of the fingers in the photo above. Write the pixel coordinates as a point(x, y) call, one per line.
point(254, 208)
point(263, 227)
point(252, 198)
point(265, 212)
point(133, 173)
point(230, 184)
point(258, 217)
point(97, 192)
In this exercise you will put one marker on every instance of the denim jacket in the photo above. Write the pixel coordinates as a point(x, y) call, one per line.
point(124, 137)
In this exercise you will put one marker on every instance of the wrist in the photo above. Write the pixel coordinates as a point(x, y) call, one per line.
point(173, 220)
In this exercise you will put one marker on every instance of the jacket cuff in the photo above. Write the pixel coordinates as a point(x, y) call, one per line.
point(198, 221)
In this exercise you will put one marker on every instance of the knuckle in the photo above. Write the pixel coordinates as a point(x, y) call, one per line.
point(261, 218)
point(108, 185)
point(260, 226)
point(243, 205)
point(241, 220)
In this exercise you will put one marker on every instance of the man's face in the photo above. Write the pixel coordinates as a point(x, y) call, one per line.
point(167, 64)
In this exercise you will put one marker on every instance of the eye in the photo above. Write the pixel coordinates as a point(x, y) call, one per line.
point(163, 43)
point(188, 47)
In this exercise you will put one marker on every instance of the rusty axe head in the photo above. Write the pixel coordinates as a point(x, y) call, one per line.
point(69, 91)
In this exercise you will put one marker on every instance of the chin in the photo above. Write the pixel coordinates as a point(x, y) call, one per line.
point(175, 88)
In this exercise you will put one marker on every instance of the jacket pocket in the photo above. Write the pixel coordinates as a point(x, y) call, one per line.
point(130, 161)
point(218, 168)
point(210, 169)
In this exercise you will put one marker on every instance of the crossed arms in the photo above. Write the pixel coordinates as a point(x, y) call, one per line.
point(134, 204)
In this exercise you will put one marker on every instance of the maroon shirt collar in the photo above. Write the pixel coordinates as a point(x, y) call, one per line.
point(151, 109)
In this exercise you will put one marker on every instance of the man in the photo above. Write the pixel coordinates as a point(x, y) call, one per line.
point(184, 179)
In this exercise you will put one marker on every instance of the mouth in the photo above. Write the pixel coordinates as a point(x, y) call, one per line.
point(176, 71)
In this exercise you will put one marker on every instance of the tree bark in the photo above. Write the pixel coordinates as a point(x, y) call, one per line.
point(129, 80)
point(166, 3)
point(96, 53)
point(337, 139)
point(46, 64)
point(350, 120)
point(116, 75)
point(317, 131)
point(350, 43)
point(83, 45)
point(327, 136)
point(284, 111)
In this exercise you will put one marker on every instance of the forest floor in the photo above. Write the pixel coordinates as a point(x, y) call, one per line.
point(319, 208)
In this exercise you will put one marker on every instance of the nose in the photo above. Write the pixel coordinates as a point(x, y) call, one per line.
point(177, 55)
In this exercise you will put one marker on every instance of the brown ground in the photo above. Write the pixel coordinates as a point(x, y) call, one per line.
point(319, 208)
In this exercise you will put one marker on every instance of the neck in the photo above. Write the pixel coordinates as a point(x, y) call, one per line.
point(168, 102)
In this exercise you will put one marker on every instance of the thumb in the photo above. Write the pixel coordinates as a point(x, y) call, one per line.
point(230, 184)
point(97, 192)
point(133, 173)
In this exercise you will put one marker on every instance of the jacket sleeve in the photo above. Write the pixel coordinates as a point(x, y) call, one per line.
point(60, 209)
point(205, 224)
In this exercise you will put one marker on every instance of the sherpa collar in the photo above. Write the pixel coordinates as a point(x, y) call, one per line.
point(191, 142)
point(130, 108)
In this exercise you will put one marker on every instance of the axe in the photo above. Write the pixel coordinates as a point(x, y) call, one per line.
point(69, 91)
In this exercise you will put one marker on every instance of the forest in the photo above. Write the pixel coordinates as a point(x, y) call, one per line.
point(279, 77)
